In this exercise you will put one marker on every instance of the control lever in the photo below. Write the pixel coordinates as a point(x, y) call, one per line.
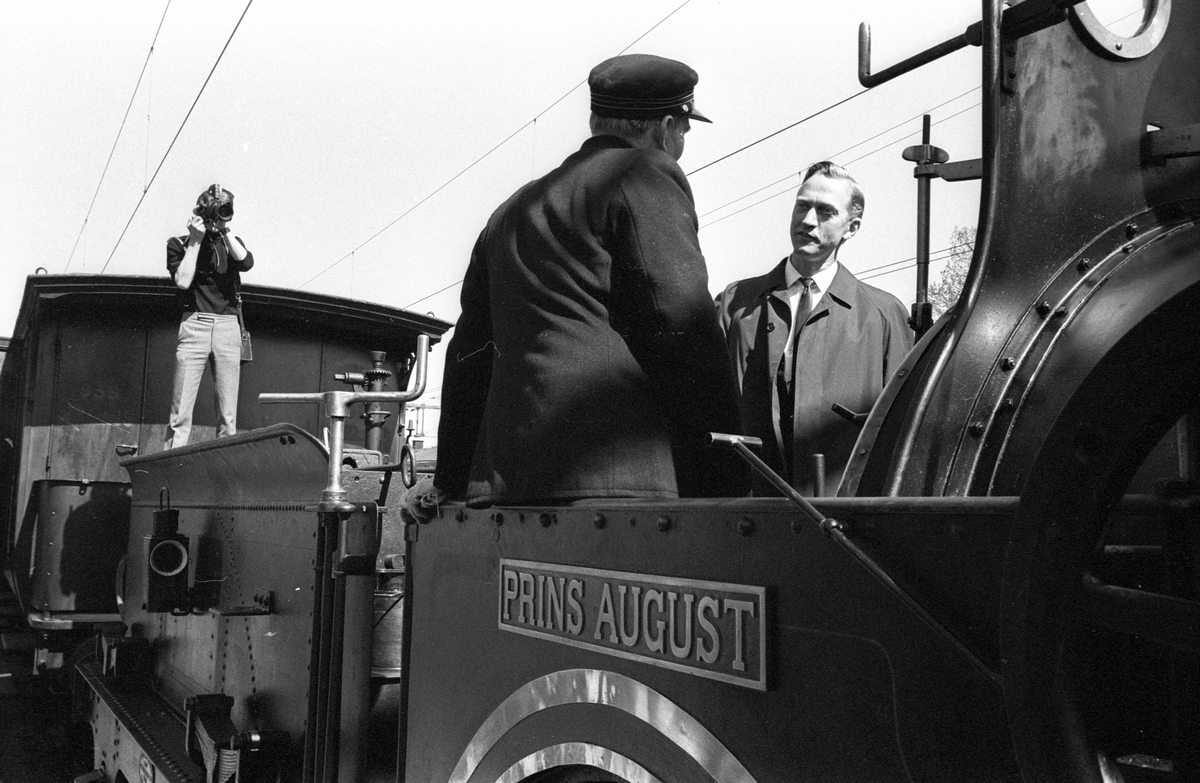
point(856, 419)
point(837, 531)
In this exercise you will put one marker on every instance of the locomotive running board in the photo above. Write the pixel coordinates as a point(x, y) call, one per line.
point(132, 724)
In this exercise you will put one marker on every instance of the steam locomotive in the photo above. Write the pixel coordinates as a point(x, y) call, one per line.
point(1004, 588)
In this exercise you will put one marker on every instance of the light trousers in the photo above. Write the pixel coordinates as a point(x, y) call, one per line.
point(204, 337)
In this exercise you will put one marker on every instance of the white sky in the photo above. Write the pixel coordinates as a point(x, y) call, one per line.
point(331, 121)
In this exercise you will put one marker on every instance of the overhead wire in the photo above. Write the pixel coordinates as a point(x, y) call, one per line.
point(171, 146)
point(944, 254)
point(815, 114)
point(779, 193)
point(128, 108)
point(479, 160)
point(835, 155)
point(789, 176)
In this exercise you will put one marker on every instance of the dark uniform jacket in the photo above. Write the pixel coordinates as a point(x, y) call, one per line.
point(849, 346)
point(588, 361)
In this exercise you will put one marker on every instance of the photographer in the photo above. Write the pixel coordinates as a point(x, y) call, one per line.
point(206, 264)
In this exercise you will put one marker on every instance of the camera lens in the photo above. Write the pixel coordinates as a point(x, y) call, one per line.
point(225, 210)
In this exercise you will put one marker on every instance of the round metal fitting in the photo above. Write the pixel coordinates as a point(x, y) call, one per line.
point(1127, 29)
point(664, 523)
point(745, 526)
point(599, 521)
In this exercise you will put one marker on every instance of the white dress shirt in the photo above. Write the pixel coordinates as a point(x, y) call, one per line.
point(820, 282)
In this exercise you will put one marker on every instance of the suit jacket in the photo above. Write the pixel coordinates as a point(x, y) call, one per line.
point(588, 361)
point(851, 343)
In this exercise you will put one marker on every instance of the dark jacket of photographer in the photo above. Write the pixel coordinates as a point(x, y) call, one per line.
point(211, 291)
point(588, 361)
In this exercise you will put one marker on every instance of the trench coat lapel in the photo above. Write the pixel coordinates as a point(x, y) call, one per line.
point(839, 293)
point(834, 299)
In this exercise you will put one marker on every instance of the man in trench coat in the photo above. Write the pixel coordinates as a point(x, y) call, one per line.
point(588, 361)
point(849, 339)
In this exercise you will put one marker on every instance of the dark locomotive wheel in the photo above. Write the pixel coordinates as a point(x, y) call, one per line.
point(1100, 634)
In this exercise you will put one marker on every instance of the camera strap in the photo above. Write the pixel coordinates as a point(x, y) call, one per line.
point(220, 255)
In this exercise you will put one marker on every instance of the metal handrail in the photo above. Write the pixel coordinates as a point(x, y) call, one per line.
point(1020, 20)
point(337, 404)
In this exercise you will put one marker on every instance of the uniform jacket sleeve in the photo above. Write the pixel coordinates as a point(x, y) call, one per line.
point(466, 379)
point(673, 330)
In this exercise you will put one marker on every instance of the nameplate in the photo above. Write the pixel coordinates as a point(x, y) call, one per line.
point(707, 629)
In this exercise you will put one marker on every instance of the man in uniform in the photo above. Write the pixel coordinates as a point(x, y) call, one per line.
point(588, 361)
point(809, 334)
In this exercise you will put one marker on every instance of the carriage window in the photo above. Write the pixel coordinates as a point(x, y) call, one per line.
point(1125, 28)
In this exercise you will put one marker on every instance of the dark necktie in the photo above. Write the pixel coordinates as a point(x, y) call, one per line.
point(799, 316)
point(785, 378)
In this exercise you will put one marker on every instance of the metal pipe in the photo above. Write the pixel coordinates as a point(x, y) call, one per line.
point(333, 492)
point(337, 405)
point(923, 230)
point(1022, 19)
point(333, 717)
point(322, 634)
point(989, 201)
point(411, 532)
point(969, 37)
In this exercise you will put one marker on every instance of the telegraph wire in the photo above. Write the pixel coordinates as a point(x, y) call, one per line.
point(897, 126)
point(817, 113)
point(118, 138)
point(949, 253)
point(940, 254)
point(847, 163)
point(435, 293)
point(479, 160)
point(787, 127)
point(789, 176)
point(171, 146)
